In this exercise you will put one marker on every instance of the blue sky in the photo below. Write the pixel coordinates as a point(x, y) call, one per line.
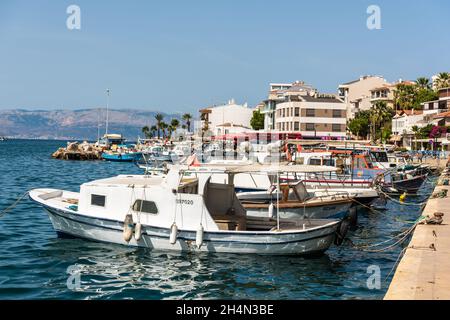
point(178, 56)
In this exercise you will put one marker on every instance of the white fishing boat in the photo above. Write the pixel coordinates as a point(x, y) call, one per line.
point(179, 213)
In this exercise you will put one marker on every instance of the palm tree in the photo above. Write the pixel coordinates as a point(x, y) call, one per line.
point(159, 118)
point(187, 118)
point(423, 83)
point(146, 131)
point(443, 80)
point(153, 130)
point(163, 126)
point(380, 114)
point(175, 123)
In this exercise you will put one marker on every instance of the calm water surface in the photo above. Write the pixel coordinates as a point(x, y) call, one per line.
point(34, 261)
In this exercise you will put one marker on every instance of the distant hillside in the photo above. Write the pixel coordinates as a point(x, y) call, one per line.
point(75, 124)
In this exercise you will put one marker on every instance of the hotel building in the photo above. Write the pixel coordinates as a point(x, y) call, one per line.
point(314, 116)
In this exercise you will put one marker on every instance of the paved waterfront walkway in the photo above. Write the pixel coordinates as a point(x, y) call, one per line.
point(424, 271)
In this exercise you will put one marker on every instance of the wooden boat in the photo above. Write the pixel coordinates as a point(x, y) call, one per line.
point(180, 214)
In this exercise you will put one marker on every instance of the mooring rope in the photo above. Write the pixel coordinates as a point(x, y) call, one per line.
point(420, 204)
point(404, 235)
point(5, 211)
point(396, 262)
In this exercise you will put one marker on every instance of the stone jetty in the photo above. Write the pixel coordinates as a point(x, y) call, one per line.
point(423, 272)
point(79, 151)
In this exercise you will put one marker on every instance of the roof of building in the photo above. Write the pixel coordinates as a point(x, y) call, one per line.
point(358, 80)
point(409, 112)
point(331, 99)
point(442, 115)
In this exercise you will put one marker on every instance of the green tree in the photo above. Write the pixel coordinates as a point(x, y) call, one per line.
point(187, 117)
point(146, 132)
point(174, 124)
point(404, 96)
point(380, 117)
point(153, 130)
point(443, 80)
point(159, 121)
point(423, 83)
point(257, 121)
point(359, 125)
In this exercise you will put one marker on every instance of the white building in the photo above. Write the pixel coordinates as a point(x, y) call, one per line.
point(357, 94)
point(405, 120)
point(230, 116)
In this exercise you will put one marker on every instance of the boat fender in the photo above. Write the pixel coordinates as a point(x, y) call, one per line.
point(270, 212)
point(128, 227)
point(173, 233)
point(138, 231)
point(199, 237)
point(403, 197)
point(341, 232)
point(353, 216)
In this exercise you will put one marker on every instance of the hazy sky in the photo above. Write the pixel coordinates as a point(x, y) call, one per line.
point(182, 55)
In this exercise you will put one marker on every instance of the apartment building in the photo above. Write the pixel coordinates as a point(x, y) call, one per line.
point(227, 117)
point(314, 116)
point(279, 93)
point(357, 94)
point(440, 105)
point(386, 93)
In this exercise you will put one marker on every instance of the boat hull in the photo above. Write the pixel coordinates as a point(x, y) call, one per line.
point(307, 242)
point(335, 211)
point(125, 157)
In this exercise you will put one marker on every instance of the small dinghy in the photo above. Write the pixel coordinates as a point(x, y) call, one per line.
point(180, 214)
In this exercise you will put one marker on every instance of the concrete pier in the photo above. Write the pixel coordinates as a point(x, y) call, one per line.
point(424, 271)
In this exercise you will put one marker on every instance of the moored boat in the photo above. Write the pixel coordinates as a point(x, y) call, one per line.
point(175, 213)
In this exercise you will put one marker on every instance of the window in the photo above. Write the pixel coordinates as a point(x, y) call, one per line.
point(336, 127)
point(145, 206)
point(310, 127)
point(284, 113)
point(98, 200)
point(296, 126)
point(297, 112)
point(310, 112)
point(337, 113)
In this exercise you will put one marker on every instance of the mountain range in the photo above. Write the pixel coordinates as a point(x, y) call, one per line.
point(80, 124)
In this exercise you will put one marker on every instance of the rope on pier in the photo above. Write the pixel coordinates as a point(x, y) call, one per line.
point(5, 211)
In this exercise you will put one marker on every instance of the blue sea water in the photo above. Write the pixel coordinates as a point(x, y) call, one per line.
point(34, 262)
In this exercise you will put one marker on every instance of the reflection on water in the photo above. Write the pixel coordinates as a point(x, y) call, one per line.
point(34, 262)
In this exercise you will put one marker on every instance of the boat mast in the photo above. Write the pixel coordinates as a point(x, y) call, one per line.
point(107, 109)
point(98, 126)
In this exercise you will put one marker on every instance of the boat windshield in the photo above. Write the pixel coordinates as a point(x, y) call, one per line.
point(379, 156)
